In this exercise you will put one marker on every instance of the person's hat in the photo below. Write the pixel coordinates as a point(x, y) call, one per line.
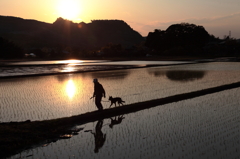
point(95, 80)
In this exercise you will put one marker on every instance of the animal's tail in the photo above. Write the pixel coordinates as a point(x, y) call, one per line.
point(123, 101)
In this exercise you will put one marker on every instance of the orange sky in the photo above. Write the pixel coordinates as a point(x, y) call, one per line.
point(217, 16)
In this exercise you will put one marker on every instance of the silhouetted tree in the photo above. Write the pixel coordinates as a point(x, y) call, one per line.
point(8, 50)
point(184, 36)
point(40, 53)
point(112, 50)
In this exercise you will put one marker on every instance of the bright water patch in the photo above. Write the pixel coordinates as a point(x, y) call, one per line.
point(55, 62)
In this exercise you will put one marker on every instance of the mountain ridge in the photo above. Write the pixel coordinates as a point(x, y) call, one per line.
point(30, 33)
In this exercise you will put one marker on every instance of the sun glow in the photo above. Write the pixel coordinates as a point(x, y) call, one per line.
point(69, 9)
point(70, 89)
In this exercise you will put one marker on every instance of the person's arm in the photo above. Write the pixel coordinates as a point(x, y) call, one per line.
point(104, 93)
point(94, 92)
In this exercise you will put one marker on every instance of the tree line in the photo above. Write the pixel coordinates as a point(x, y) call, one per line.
point(177, 39)
point(9, 50)
point(183, 36)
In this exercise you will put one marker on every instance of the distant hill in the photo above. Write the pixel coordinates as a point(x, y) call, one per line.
point(36, 34)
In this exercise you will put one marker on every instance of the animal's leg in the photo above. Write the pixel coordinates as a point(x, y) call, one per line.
point(110, 105)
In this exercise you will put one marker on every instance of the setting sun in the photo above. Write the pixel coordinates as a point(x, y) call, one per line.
point(69, 9)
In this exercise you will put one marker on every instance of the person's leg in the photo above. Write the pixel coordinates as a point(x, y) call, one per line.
point(98, 102)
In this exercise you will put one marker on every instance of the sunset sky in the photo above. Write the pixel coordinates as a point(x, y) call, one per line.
point(218, 17)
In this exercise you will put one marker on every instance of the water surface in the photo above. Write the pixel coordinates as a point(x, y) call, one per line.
point(203, 127)
point(30, 68)
point(55, 96)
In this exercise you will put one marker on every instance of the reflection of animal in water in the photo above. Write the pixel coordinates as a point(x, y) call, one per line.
point(116, 120)
point(115, 100)
point(100, 138)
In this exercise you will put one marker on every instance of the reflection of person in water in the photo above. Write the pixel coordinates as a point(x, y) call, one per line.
point(100, 138)
point(98, 93)
point(116, 120)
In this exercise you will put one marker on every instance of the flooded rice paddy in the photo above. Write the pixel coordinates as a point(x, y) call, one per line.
point(30, 68)
point(202, 127)
point(56, 96)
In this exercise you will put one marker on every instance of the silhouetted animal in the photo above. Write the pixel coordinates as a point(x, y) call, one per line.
point(115, 100)
point(116, 120)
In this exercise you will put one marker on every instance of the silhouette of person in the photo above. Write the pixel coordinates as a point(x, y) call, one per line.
point(98, 93)
point(100, 138)
point(116, 120)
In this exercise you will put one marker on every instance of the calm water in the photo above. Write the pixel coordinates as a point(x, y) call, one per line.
point(203, 127)
point(67, 66)
point(49, 97)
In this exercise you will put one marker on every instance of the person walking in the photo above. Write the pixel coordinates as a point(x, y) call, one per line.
point(98, 93)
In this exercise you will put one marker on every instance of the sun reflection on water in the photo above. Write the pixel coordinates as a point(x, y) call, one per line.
point(70, 89)
point(69, 69)
point(69, 62)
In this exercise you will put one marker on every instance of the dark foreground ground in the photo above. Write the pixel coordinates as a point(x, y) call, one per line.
point(18, 136)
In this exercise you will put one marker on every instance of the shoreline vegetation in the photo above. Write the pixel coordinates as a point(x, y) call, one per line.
point(19, 136)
